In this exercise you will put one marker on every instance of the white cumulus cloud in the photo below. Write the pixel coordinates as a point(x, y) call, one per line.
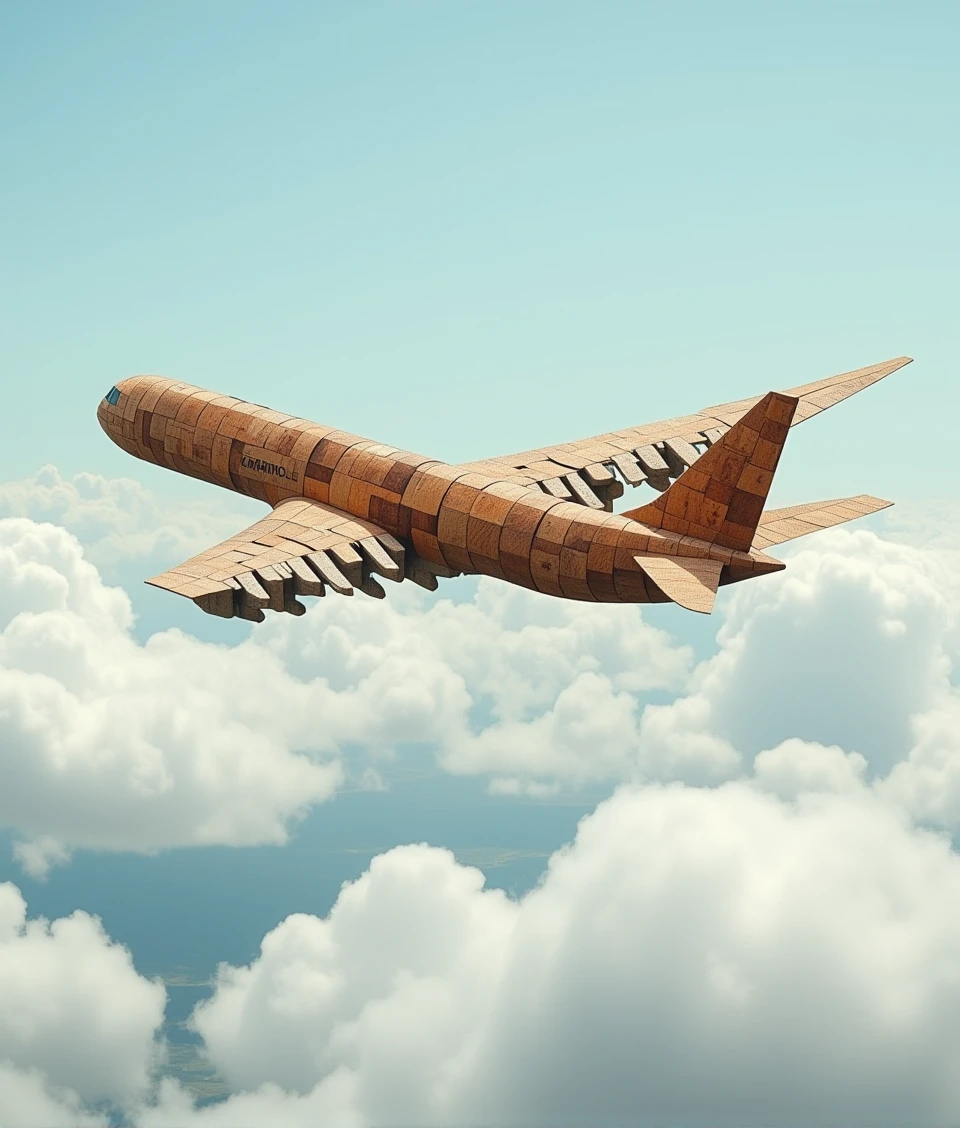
point(112, 744)
point(107, 743)
point(119, 519)
point(847, 647)
point(78, 1024)
point(698, 956)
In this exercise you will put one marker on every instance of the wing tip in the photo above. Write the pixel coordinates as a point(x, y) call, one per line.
point(879, 502)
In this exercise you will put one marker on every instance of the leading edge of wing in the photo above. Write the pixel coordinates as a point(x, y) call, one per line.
point(675, 437)
point(816, 396)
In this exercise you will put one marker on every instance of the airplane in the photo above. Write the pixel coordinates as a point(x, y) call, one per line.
point(345, 509)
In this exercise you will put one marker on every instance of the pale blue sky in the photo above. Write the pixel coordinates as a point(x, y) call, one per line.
point(465, 229)
point(468, 229)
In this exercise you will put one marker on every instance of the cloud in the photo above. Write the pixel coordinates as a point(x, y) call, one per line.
point(116, 745)
point(777, 949)
point(854, 649)
point(27, 1100)
point(78, 1025)
point(697, 956)
point(110, 744)
point(847, 647)
point(532, 690)
point(118, 519)
point(798, 767)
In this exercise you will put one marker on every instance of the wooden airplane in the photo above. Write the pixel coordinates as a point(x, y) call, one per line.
point(345, 509)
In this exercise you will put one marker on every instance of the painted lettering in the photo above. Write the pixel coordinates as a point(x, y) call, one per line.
point(263, 467)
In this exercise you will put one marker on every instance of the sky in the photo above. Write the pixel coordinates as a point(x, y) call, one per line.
point(478, 857)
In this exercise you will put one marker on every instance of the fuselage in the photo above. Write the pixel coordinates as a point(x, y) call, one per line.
point(451, 516)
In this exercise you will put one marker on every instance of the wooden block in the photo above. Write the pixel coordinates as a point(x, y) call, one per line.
point(272, 583)
point(582, 492)
point(219, 603)
point(394, 549)
point(597, 474)
point(416, 571)
point(556, 487)
point(754, 480)
point(492, 507)
point(253, 593)
point(349, 561)
point(488, 566)
point(483, 538)
point(545, 571)
point(379, 561)
point(428, 487)
point(370, 587)
point(461, 497)
point(683, 453)
point(452, 527)
point(398, 477)
point(553, 528)
point(457, 558)
point(630, 468)
point(573, 587)
point(573, 563)
point(305, 580)
point(651, 460)
point(331, 575)
point(427, 546)
point(516, 569)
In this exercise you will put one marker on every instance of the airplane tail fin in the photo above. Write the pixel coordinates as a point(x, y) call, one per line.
point(720, 498)
point(779, 525)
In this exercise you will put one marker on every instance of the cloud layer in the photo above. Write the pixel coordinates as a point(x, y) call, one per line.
point(120, 520)
point(106, 743)
point(855, 646)
point(110, 744)
point(755, 929)
point(78, 1025)
point(696, 956)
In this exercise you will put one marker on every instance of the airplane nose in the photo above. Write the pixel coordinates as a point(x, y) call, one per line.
point(109, 413)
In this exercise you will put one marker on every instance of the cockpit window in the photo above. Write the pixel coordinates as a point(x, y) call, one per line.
point(113, 396)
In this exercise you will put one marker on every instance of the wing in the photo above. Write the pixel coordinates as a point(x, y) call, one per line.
point(779, 525)
point(588, 471)
point(302, 548)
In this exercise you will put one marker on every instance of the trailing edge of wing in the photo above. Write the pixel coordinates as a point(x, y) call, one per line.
point(302, 548)
point(584, 470)
point(779, 525)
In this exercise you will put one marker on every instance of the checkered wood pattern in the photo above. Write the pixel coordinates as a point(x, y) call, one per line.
point(655, 453)
point(719, 500)
point(346, 509)
point(691, 583)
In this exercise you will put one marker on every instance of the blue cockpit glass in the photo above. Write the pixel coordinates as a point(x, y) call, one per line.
point(113, 396)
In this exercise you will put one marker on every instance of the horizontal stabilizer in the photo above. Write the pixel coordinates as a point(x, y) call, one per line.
point(721, 497)
point(779, 525)
point(689, 581)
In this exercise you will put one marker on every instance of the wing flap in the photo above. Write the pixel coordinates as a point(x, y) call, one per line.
point(675, 443)
point(302, 548)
